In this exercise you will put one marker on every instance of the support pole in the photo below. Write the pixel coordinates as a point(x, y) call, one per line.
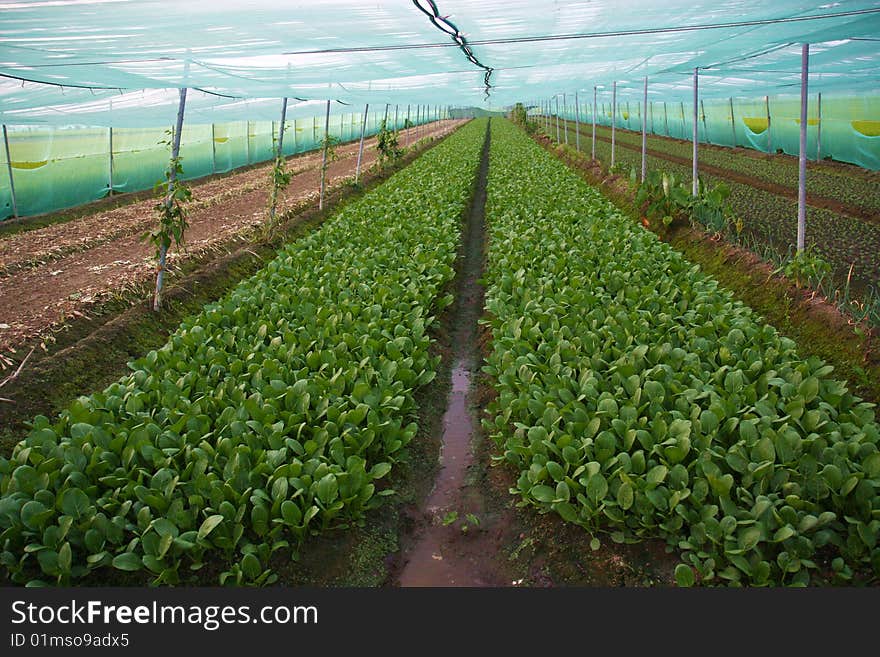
point(396, 107)
point(408, 126)
point(172, 179)
point(732, 123)
point(9, 170)
point(213, 150)
point(696, 182)
point(613, 118)
point(802, 154)
point(645, 132)
point(819, 129)
point(324, 156)
point(593, 150)
point(557, 119)
point(279, 157)
point(577, 124)
point(769, 139)
point(111, 162)
point(357, 168)
point(665, 119)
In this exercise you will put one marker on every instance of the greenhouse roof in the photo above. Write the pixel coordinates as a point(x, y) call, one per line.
point(118, 62)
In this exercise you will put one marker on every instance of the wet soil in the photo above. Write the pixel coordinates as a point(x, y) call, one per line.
point(449, 548)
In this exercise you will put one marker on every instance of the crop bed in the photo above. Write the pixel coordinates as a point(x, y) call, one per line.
point(637, 398)
point(771, 220)
point(272, 414)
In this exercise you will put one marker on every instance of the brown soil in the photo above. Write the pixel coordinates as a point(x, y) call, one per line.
point(822, 202)
point(60, 271)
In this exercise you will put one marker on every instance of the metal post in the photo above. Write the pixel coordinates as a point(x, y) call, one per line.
point(613, 118)
point(357, 168)
point(9, 169)
point(732, 123)
point(324, 156)
point(665, 119)
point(819, 129)
point(281, 129)
point(247, 140)
point(651, 110)
point(645, 132)
point(577, 124)
point(279, 157)
point(769, 139)
point(593, 151)
point(172, 178)
point(802, 154)
point(111, 161)
point(395, 116)
point(314, 129)
point(408, 125)
point(213, 150)
point(557, 119)
point(696, 185)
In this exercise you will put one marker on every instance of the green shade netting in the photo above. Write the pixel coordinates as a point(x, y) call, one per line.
point(119, 63)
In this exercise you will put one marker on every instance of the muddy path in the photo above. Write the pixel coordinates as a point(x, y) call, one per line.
point(455, 542)
point(60, 271)
point(814, 200)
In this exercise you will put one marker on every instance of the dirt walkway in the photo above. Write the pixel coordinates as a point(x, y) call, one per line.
point(58, 272)
point(457, 542)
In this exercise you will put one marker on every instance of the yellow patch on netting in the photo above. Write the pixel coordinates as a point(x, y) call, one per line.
point(625, 115)
point(809, 121)
point(867, 128)
point(756, 124)
point(221, 140)
point(29, 165)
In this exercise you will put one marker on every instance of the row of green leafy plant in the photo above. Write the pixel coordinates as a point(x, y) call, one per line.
point(274, 413)
point(845, 184)
point(839, 262)
point(637, 398)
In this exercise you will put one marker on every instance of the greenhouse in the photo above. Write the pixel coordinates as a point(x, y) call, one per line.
point(436, 293)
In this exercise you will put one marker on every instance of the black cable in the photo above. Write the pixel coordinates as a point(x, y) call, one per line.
point(443, 24)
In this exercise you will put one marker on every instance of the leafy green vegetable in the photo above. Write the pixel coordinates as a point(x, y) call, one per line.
point(676, 411)
point(270, 415)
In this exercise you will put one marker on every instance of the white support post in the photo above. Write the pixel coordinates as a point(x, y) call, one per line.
point(279, 157)
point(705, 128)
point(802, 154)
point(172, 179)
point(9, 170)
point(593, 150)
point(613, 118)
point(645, 132)
point(696, 183)
point(732, 123)
point(110, 192)
point(357, 168)
point(819, 129)
point(324, 157)
point(769, 138)
point(577, 124)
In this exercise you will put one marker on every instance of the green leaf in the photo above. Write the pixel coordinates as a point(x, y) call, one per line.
point(208, 525)
point(625, 496)
point(128, 561)
point(543, 493)
point(597, 487)
point(684, 575)
point(74, 502)
point(656, 475)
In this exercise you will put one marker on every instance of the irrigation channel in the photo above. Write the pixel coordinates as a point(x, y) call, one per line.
point(443, 554)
